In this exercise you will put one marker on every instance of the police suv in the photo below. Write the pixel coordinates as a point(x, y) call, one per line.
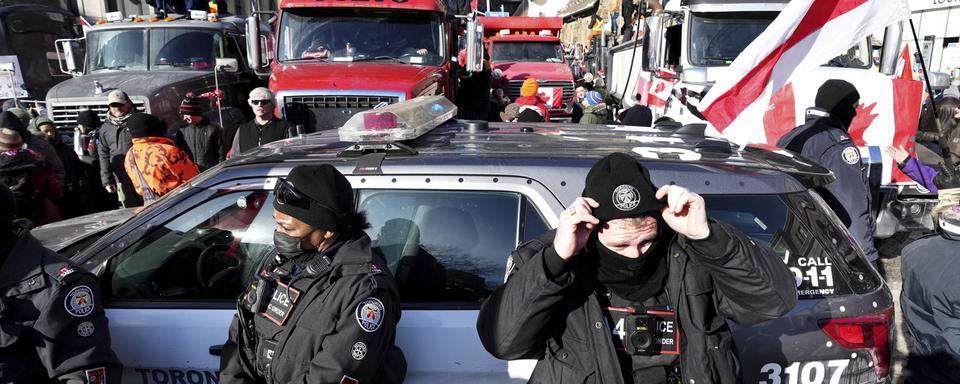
point(448, 201)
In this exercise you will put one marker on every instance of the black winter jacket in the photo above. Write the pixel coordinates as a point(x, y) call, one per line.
point(824, 140)
point(112, 149)
point(726, 276)
point(53, 328)
point(201, 142)
point(336, 321)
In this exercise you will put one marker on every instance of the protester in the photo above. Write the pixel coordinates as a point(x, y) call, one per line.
point(529, 96)
point(39, 145)
point(576, 110)
point(54, 325)
point(637, 116)
point(200, 139)
point(931, 299)
point(824, 138)
point(594, 109)
point(85, 135)
point(498, 95)
point(114, 142)
point(921, 173)
point(25, 173)
point(73, 187)
point(232, 118)
point(346, 306)
point(153, 162)
point(264, 128)
point(948, 110)
point(627, 245)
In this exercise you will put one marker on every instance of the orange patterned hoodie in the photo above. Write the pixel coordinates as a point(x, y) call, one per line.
point(163, 165)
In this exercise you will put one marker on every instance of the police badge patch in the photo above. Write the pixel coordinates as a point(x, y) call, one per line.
point(370, 314)
point(851, 155)
point(79, 301)
point(358, 351)
point(626, 197)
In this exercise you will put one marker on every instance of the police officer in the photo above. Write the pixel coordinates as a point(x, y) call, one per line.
point(52, 324)
point(325, 309)
point(931, 299)
point(824, 139)
point(633, 286)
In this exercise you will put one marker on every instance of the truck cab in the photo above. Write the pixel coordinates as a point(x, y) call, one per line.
point(335, 58)
point(524, 47)
point(156, 62)
point(27, 33)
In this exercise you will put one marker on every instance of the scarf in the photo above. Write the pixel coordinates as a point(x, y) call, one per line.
point(116, 121)
point(633, 279)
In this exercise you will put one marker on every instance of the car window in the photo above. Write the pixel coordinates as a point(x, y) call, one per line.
point(206, 253)
point(798, 236)
point(445, 247)
point(533, 223)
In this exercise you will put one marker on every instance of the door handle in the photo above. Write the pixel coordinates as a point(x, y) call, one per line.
point(216, 350)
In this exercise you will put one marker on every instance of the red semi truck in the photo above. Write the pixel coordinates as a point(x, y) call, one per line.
point(335, 58)
point(524, 47)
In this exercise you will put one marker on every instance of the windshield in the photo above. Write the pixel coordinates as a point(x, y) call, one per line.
point(717, 38)
point(361, 35)
point(169, 48)
point(548, 52)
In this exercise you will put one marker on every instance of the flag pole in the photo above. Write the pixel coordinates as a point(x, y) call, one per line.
point(947, 167)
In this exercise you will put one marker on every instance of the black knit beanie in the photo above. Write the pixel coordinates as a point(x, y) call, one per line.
point(144, 125)
point(330, 194)
point(10, 120)
point(838, 98)
point(622, 187)
point(89, 119)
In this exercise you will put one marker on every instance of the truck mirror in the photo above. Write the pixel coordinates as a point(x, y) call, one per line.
point(695, 75)
point(229, 65)
point(474, 35)
point(652, 39)
point(254, 55)
point(890, 54)
point(66, 57)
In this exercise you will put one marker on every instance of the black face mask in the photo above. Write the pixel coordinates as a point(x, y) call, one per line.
point(287, 246)
point(844, 116)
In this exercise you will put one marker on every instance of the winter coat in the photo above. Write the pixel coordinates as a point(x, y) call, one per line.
point(114, 142)
point(335, 323)
point(252, 135)
point(201, 142)
point(559, 321)
point(921, 173)
point(824, 140)
point(594, 114)
point(537, 102)
point(57, 177)
point(28, 176)
point(163, 166)
point(931, 310)
point(54, 325)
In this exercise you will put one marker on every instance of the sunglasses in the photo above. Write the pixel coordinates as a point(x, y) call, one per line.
point(260, 102)
point(117, 105)
point(287, 194)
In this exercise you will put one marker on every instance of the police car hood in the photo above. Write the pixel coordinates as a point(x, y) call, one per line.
point(355, 76)
point(61, 234)
point(139, 83)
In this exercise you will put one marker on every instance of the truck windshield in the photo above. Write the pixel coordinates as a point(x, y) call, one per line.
point(548, 52)
point(411, 37)
point(717, 38)
point(169, 49)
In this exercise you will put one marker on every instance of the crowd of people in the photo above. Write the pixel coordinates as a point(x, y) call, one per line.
point(127, 159)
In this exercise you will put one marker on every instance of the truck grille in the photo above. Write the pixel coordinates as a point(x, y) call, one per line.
point(329, 112)
point(513, 90)
point(65, 116)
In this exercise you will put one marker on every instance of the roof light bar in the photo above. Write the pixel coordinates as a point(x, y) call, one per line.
point(397, 122)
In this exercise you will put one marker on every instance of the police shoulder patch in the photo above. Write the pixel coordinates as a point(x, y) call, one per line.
point(79, 301)
point(851, 155)
point(369, 314)
point(96, 375)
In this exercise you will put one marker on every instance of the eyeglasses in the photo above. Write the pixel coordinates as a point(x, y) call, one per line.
point(287, 194)
point(117, 105)
point(261, 102)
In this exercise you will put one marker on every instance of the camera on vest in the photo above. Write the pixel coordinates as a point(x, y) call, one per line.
point(642, 332)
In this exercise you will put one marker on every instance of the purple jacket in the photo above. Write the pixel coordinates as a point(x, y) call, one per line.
point(919, 172)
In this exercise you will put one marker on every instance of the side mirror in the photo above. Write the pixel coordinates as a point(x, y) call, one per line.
point(695, 75)
point(939, 80)
point(652, 40)
point(890, 55)
point(254, 54)
point(66, 57)
point(228, 65)
point(474, 35)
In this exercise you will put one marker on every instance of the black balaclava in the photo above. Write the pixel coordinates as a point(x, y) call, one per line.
point(839, 98)
point(633, 279)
